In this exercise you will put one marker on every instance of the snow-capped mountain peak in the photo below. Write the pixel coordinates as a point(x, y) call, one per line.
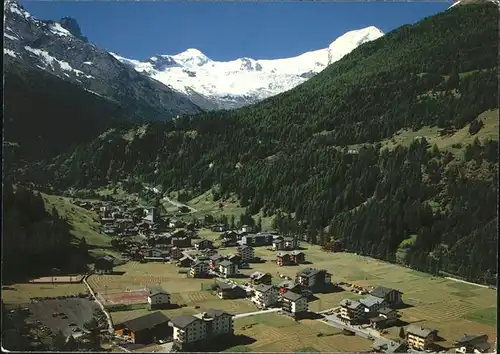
point(13, 7)
point(466, 2)
point(191, 57)
point(239, 82)
point(350, 41)
point(60, 49)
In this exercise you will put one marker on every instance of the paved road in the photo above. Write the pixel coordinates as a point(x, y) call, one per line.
point(167, 199)
point(247, 314)
point(166, 348)
point(467, 282)
point(186, 254)
point(332, 309)
point(179, 204)
point(108, 317)
point(332, 320)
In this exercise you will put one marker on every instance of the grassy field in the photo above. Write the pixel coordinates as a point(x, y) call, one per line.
point(490, 130)
point(276, 333)
point(453, 308)
point(184, 290)
point(21, 293)
point(84, 222)
point(204, 204)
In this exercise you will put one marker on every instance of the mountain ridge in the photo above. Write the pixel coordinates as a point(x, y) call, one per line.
point(242, 81)
point(67, 54)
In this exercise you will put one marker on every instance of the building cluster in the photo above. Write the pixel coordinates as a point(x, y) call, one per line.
point(378, 308)
point(186, 331)
point(290, 258)
point(290, 295)
point(209, 262)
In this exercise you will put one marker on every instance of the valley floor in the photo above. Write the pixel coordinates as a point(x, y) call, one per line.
point(451, 307)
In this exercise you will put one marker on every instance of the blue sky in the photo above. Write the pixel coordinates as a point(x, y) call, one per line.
point(227, 30)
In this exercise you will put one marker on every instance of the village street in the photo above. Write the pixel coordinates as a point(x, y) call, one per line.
point(247, 314)
point(179, 204)
point(168, 200)
point(334, 321)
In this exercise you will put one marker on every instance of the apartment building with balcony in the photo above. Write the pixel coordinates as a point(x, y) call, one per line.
point(351, 311)
point(420, 338)
point(265, 296)
point(194, 331)
point(293, 304)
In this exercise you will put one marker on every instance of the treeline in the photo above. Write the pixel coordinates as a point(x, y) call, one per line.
point(299, 153)
point(35, 240)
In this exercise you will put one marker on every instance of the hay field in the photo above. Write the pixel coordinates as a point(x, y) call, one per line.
point(140, 275)
point(448, 142)
point(276, 333)
point(184, 291)
point(196, 302)
point(451, 307)
point(21, 293)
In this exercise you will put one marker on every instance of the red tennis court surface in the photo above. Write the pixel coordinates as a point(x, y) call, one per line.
point(59, 279)
point(125, 298)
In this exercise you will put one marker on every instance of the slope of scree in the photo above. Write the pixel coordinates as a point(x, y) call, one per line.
point(415, 205)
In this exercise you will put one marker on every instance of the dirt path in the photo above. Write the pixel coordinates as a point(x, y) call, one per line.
point(110, 322)
point(467, 282)
point(179, 204)
point(241, 315)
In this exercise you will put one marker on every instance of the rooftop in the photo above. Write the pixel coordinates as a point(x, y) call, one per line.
point(467, 338)
point(352, 304)
point(370, 300)
point(216, 257)
point(290, 295)
point(196, 242)
point(157, 290)
point(197, 263)
point(287, 284)
point(382, 291)
point(224, 286)
point(419, 331)
point(183, 321)
point(309, 272)
point(226, 263)
point(263, 288)
point(146, 322)
point(385, 310)
point(258, 275)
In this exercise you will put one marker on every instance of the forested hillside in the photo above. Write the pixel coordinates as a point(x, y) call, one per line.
point(315, 152)
point(45, 115)
point(34, 239)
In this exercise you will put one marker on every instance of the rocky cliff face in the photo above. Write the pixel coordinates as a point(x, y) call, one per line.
point(61, 49)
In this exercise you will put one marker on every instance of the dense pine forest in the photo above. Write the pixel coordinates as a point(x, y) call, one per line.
point(316, 157)
point(34, 236)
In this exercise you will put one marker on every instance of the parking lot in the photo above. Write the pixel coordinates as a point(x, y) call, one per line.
point(72, 313)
